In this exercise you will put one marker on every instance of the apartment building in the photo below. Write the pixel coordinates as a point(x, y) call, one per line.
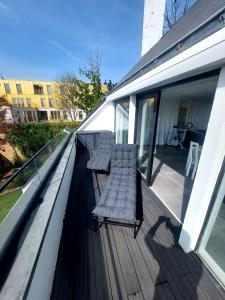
point(34, 101)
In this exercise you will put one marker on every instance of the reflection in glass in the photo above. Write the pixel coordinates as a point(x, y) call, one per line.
point(212, 247)
point(14, 190)
point(145, 131)
point(122, 121)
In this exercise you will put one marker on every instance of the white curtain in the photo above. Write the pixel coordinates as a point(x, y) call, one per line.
point(122, 123)
point(168, 115)
point(199, 113)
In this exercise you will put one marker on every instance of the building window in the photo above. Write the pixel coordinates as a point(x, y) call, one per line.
point(65, 115)
point(80, 115)
point(42, 115)
point(58, 114)
point(49, 89)
point(38, 89)
point(122, 120)
point(52, 115)
point(29, 116)
point(62, 89)
point(24, 117)
point(14, 100)
point(28, 102)
point(43, 102)
point(50, 102)
point(19, 88)
point(7, 88)
point(22, 102)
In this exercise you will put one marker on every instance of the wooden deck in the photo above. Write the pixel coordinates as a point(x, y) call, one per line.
point(110, 264)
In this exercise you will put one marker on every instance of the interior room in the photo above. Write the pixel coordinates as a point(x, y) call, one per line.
point(182, 124)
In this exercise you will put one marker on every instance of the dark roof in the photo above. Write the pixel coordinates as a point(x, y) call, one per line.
point(198, 16)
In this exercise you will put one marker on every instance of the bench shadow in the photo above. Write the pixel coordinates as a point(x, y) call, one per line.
point(180, 271)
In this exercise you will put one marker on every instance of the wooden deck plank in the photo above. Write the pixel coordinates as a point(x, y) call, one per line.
point(92, 288)
point(144, 278)
point(101, 270)
point(164, 292)
point(136, 296)
point(152, 264)
point(161, 254)
point(115, 272)
point(129, 275)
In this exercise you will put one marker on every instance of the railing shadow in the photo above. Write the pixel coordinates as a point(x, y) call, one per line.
point(81, 272)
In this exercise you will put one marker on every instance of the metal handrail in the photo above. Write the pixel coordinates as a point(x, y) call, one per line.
point(2, 187)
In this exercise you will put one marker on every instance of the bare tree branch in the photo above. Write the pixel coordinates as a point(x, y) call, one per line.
point(175, 10)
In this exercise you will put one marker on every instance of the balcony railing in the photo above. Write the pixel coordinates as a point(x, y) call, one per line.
point(19, 191)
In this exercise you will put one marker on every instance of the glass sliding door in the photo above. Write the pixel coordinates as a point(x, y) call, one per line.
point(147, 112)
point(212, 247)
point(122, 121)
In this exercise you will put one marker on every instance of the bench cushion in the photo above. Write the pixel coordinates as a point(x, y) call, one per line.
point(118, 199)
point(100, 161)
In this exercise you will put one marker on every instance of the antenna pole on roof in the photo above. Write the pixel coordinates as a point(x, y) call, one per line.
point(152, 23)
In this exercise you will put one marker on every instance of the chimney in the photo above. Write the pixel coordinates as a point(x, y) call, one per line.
point(152, 23)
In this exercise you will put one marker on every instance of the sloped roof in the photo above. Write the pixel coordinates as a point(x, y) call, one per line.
point(197, 17)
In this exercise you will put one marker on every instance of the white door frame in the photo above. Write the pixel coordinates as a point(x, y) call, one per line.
point(208, 170)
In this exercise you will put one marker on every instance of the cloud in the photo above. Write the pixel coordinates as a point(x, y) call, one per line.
point(64, 50)
point(6, 10)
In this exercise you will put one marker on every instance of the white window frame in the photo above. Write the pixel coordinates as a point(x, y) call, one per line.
point(210, 164)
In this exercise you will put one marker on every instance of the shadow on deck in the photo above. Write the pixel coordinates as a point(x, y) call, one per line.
point(110, 264)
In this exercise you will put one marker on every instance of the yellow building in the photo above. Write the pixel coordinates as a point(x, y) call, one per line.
point(33, 101)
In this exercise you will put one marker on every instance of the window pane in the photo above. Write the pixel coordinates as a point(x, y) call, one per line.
point(212, 248)
point(42, 115)
point(19, 88)
point(50, 102)
point(28, 102)
point(62, 89)
point(122, 121)
point(7, 88)
point(49, 89)
point(38, 89)
point(145, 131)
point(42, 102)
point(29, 115)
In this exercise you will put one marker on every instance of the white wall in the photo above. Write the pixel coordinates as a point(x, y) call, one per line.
point(102, 119)
point(209, 167)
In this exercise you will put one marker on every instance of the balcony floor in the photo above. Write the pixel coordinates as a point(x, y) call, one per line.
point(110, 264)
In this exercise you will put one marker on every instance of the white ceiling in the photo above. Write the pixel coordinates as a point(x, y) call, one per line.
point(203, 89)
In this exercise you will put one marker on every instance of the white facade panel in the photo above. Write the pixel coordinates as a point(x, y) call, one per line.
point(102, 119)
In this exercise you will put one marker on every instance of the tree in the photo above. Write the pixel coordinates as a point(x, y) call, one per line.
point(66, 93)
point(89, 92)
point(175, 10)
point(110, 85)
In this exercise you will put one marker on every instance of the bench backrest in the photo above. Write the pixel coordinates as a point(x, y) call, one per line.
point(106, 141)
point(124, 156)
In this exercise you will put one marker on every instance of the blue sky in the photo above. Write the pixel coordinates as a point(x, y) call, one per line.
point(41, 39)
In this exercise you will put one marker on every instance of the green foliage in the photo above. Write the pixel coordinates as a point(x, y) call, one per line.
point(30, 138)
